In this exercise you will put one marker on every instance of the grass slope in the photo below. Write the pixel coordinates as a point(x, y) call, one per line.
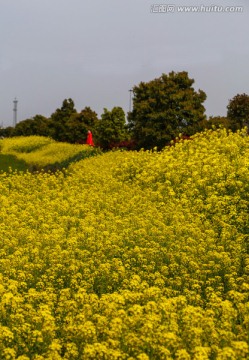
point(10, 162)
point(34, 153)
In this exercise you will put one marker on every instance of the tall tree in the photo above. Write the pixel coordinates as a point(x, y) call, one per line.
point(165, 107)
point(60, 118)
point(238, 111)
point(112, 128)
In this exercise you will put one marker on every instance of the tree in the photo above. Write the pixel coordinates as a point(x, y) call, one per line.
point(165, 107)
point(112, 128)
point(38, 125)
point(60, 118)
point(7, 132)
point(42, 125)
point(214, 121)
point(238, 111)
point(24, 128)
point(79, 123)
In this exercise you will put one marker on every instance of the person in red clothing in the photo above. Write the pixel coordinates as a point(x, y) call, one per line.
point(89, 139)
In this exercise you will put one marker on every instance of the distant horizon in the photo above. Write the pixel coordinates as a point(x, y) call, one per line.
point(98, 114)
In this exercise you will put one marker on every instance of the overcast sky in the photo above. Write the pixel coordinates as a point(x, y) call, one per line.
point(94, 51)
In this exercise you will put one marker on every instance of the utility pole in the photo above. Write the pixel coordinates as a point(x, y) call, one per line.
point(15, 112)
point(131, 92)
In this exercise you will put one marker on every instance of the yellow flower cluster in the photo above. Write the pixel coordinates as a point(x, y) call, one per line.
point(40, 151)
point(129, 255)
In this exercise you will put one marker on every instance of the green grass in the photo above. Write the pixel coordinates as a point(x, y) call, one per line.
point(10, 161)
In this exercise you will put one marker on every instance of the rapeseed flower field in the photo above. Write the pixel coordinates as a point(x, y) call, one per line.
point(129, 255)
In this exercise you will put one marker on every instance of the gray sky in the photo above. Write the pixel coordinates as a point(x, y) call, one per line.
point(94, 51)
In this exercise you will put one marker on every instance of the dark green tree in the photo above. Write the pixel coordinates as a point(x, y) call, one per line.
point(112, 128)
point(238, 111)
point(42, 126)
point(6, 132)
point(60, 118)
point(24, 128)
point(213, 121)
point(165, 107)
point(38, 125)
point(79, 123)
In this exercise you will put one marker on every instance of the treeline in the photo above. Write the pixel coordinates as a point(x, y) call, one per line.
point(68, 125)
point(162, 108)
